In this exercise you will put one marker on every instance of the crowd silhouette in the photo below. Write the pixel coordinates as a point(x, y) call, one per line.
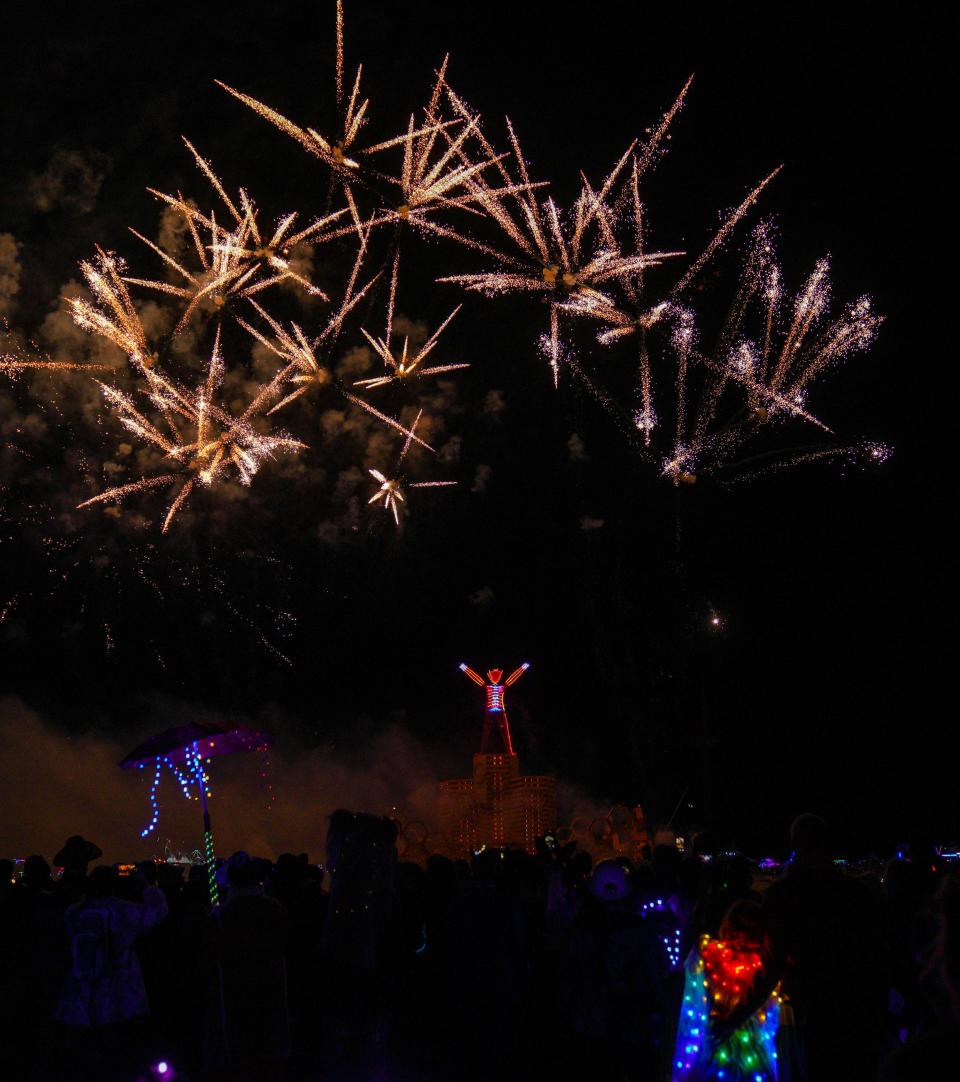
point(509, 966)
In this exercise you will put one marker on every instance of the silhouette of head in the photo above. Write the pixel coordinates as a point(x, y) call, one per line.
point(77, 854)
point(102, 882)
point(495, 675)
point(743, 923)
point(810, 838)
point(36, 872)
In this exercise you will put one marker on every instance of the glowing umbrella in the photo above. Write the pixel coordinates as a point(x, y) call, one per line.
point(185, 749)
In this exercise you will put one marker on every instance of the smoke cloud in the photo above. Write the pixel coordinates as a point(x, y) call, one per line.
point(55, 784)
point(71, 181)
point(9, 272)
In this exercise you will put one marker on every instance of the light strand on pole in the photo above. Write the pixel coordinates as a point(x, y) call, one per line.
point(154, 804)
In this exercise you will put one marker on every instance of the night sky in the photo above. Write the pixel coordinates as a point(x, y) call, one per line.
point(827, 687)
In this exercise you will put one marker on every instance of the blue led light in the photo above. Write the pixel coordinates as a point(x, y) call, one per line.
point(155, 807)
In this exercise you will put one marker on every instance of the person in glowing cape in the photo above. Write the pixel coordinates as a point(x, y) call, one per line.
point(718, 977)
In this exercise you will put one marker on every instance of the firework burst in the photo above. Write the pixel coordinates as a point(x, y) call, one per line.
point(750, 382)
point(403, 365)
point(236, 264)
point(570, 261)
point(391, 492)
point(265, 253)
point(690, 410)
point(199, 437)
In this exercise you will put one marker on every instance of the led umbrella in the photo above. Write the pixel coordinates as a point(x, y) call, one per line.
point(185, 749)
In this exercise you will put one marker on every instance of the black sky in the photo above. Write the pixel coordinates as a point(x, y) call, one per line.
point(829, 686)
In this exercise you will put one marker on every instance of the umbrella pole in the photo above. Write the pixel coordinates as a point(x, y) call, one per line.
point(208, 852)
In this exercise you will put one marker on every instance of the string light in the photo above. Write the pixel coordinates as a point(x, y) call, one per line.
point(211, 862)
point(195, 774)
point(265, 778)
point(155, 806)
point(182, 778)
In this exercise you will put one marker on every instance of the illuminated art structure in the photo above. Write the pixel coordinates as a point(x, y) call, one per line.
point(498, 806)
point(495, 711)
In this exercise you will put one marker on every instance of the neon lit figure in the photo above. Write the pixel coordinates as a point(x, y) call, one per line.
point(495, 710)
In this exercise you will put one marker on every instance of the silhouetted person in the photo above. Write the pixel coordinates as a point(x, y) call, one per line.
point(716, 1039)
point(613, 985)
point(104, 994)
point(36, 874)
point(479, 954)
point(725, 880)
point(248, 1034)
point(933, 1054)
point(76, 854)
point(298, 887)
point(824, 947)
point(361, 862)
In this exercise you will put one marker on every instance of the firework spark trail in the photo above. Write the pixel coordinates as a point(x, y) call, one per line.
point(721, 235)
point(418, 186)
point(618, 415)
point(10, 363)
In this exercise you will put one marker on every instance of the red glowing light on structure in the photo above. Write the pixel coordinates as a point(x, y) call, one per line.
point(495, 709)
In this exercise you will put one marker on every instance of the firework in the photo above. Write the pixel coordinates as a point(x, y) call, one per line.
point(569, 261)
point(634, 313)
point(421, 183)
point(690, 410)
point(436, 173)
point(113, 315)
point(236, 264)
point(303, 368)
point(200, 438)
point(11, 363)
point(390, 494)
point(748, 384)
point(266, 253)
point(341, 152)
point(402, 366)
